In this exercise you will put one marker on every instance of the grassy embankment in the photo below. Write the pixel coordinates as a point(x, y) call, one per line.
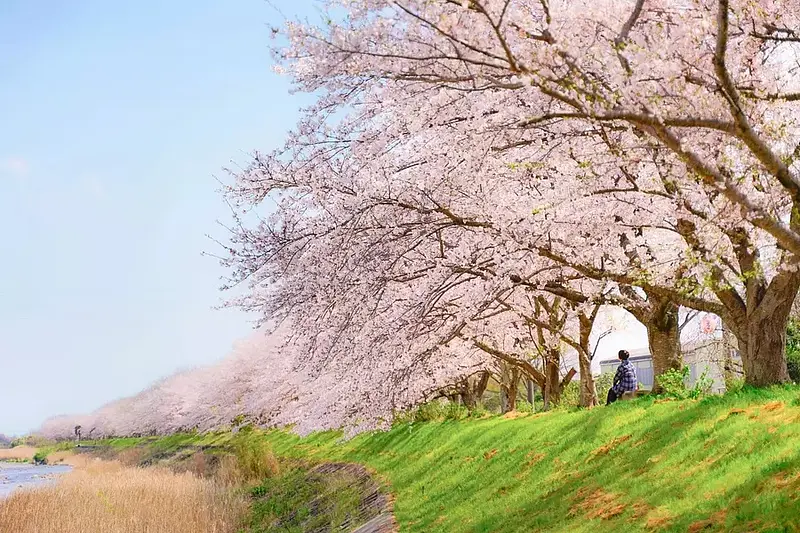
point(290, 494)
point(727, 463)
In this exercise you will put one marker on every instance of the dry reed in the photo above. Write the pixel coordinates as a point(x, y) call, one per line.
point(18, 453)
point(108, 497)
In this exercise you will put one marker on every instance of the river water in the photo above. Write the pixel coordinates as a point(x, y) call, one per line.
point(14, 476)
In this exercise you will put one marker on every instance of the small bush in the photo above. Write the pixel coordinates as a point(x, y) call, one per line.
point(254, 457)
point(793, 349)
point(734, 385)
point(523, 406)
point(401, 418)
point(571, 395)
point(259, 491)
point(479, 411)
point(702, 386)
point(793, 364)
point(491, 401)
point(673, 383)
point(603, 383)
point(455, 411)
point(428, 412)
point(40, 457)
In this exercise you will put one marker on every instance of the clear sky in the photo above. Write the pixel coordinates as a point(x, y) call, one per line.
point(114, 119)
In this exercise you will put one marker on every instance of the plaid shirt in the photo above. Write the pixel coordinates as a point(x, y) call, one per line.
point(625, 378)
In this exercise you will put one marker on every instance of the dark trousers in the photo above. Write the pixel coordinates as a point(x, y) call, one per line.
point(612, 397)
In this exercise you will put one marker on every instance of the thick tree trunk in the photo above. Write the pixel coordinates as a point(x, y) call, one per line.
point(512, 395)
point(508, 388)
point(552, 385)
point(467, 398)
point(529, 390)
point(481, 382)
point(761, 331)
point(473, 388)
point(588, 396)
point(762, 346)
point(664, 339)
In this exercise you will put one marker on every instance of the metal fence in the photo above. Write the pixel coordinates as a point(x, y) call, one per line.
point(644, 369)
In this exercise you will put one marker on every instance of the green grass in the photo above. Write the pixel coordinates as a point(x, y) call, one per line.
point(47, 449)
point(301, 500)
point(723, 464)
point(729, 463)
point(165, 444)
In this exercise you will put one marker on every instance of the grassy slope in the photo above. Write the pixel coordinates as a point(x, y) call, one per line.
point(724, 463)
point(721, 464)
point(286, 495)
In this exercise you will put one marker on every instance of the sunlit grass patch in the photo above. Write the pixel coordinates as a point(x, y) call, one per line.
point(643, 465)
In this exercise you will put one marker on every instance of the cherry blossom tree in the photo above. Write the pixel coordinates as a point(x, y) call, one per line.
point(345, 220)
point(469, 164)
point(385, 260)
point(683, 113)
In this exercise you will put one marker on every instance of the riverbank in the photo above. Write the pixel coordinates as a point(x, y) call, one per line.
point(222, 484)
point(726, 463)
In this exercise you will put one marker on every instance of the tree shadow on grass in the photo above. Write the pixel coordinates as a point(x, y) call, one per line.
point(629, 487)
point(640, 465)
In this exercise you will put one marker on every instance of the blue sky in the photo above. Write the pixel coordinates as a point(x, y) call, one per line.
point(114, 119)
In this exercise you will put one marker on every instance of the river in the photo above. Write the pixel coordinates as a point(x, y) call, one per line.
point(19, 475)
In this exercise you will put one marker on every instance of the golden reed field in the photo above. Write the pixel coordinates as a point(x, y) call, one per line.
point(18, 453)
point(109, 497)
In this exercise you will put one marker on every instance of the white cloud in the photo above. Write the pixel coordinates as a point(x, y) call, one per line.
point(15, 167)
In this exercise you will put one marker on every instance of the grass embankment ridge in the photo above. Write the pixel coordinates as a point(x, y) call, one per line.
point(729, 463)
point(228, 483)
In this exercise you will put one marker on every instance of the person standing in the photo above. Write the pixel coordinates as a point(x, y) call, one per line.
point(624, 380)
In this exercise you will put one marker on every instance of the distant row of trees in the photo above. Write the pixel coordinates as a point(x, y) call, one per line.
point(258, 383)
